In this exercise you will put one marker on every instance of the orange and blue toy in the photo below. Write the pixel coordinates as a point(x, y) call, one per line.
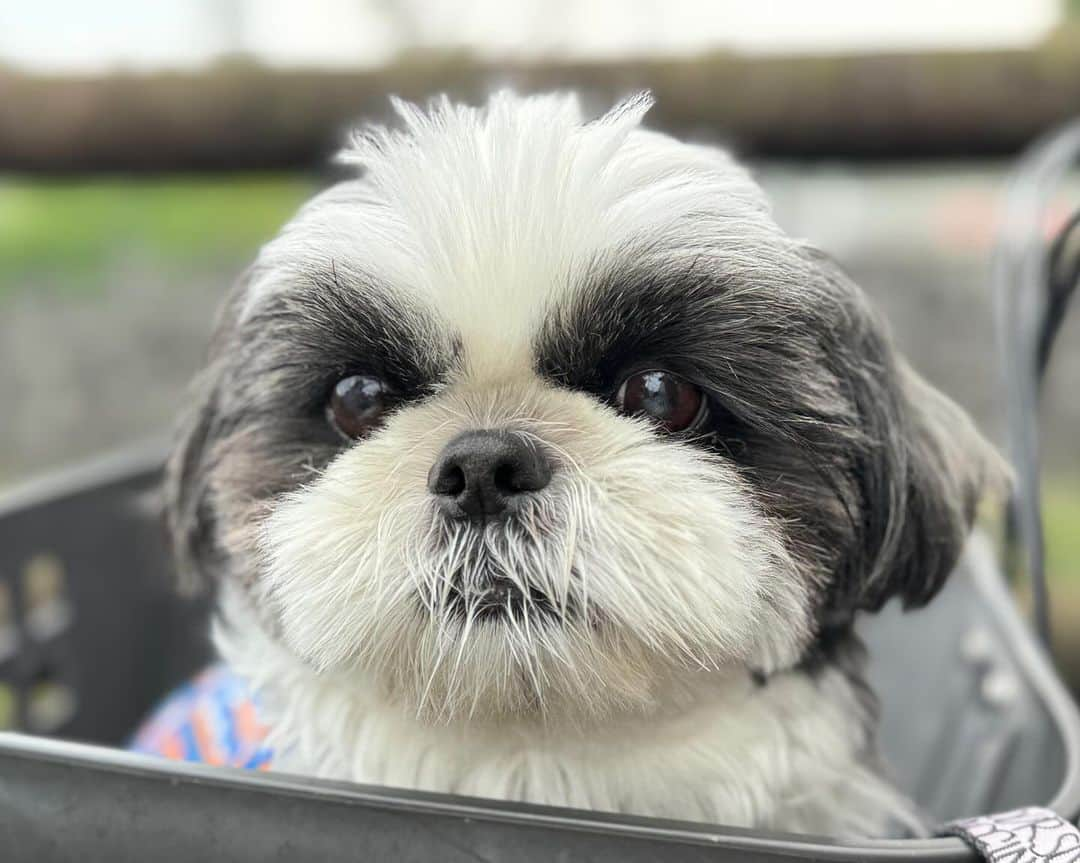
point(212, 719)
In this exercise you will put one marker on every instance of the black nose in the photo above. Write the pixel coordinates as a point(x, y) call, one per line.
point(484, 473)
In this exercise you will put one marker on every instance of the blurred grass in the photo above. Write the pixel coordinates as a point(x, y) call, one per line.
point(1061, 501)
point(1061, 513)
point(70, 230)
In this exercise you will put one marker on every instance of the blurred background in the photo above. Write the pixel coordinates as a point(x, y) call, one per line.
point(147, 149)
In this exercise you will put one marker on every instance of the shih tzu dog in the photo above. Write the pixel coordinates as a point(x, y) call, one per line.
point(538, 463)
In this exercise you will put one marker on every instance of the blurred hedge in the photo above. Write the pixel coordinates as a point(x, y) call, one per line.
point(238, 115)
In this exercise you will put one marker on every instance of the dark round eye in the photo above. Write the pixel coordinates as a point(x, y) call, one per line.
point(357, 405)
point(673, 402)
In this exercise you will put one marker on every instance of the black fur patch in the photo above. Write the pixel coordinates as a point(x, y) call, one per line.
point(808, 401)
point(258, 427)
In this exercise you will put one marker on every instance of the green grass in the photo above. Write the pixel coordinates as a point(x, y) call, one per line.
point(72, 229)
point(1061, 512)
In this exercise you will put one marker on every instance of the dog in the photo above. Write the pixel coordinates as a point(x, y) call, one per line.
point(536, 462)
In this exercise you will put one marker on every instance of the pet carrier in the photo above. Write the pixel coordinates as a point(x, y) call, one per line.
point(974, 718)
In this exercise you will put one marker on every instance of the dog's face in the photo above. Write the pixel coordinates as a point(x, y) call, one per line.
point(542, 417)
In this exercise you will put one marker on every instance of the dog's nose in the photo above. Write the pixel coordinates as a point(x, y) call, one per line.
point(485, 472)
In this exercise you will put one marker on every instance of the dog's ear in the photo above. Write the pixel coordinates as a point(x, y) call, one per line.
point(919, 468)
point(922, 495)
point(188, 493)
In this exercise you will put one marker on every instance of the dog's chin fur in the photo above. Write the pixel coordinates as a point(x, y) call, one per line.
point(789, 755)
point(686, 601)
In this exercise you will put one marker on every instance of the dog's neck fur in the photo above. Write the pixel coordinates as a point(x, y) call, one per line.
point(792, 754)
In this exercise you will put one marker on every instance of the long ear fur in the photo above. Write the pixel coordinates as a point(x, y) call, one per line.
point(946, 467)
point(919, 474)
point(189, 510)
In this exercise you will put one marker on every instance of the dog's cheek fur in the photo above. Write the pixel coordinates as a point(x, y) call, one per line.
point(222, 480)
point(657, 548)
point(256, 426)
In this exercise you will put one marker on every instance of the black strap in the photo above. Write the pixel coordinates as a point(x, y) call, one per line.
point(1028, 835)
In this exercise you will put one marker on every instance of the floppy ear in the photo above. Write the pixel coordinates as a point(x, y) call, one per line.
point(942, 469)
point(919, 469)
point(189, 509)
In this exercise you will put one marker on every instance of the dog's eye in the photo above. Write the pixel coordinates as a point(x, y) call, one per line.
point(673, 402)
point(357, 405)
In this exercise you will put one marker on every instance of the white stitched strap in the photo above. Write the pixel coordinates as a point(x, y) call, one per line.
point(1028, 835)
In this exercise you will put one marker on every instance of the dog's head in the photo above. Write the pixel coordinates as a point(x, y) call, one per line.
point(539, 415)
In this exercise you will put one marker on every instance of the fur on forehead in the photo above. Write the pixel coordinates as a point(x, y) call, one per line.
point(488, 215)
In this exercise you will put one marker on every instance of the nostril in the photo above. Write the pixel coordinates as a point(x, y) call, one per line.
point(451, 481)
point(506, 479)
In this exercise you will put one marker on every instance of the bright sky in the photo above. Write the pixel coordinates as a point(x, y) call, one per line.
point(78, 36)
